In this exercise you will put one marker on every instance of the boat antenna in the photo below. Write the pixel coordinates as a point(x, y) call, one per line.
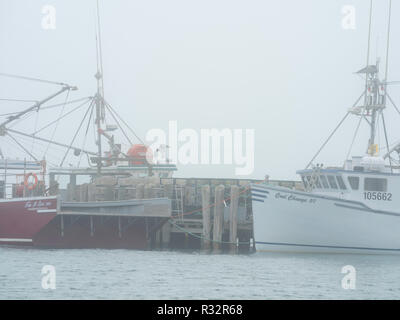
point(387, 44)
point(385, 82)
point(369, 32)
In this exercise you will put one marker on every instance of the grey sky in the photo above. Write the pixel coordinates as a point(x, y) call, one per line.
point(283, 68)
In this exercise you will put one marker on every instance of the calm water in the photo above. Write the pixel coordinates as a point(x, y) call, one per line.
point(125, 274)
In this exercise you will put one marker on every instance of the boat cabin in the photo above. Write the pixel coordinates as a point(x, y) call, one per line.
point(365, 179)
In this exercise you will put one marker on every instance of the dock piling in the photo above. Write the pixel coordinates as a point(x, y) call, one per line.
point(140, 191)
point(166, 234)
point(233, 218)
point(218, 218)
point(205, 199)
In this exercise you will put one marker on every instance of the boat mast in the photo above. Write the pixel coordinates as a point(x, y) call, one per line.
point(99, 98)
point(370, 88)
point(374, 99)
point(375, 92)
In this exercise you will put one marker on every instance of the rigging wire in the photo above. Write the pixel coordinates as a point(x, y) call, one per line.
point(30, 78)
point(354, 137)
point(394, 105)
point(17, 100)
point(76, 133)
point(123, 121)
point(36, 122)
point(50, 106)
point(378, 127)
point(116, 120)
point(22, 118)
point(40, 147)
point(68, 113)
point(86, 133)
point(333, 132)
point(387, 142)
point(22, 147)
point(58, 121)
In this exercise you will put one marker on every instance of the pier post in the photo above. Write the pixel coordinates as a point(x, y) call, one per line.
point(168, 190)
point(233, 218)
point(53, 187)
point(218, 218)
point(147, 191)
point(158, 239)
point(62, 225)
point(166, 234)
point(205, 201)
point(119, 227)
point(91, 192)
point(91, 226)
point(139, 191)
point(84, 192)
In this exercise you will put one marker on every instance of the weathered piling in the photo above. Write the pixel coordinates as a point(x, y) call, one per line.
point(140, 191)
point(91, 192)
point(229, 226)
point(233, 218)
point(70, 192)
point(168, 190)
point(166, 234)
point(218, 218)
point(148, 191)
point(84, 192)
point(205, 200)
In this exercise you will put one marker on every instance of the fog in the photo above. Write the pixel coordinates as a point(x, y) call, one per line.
point(283, 68)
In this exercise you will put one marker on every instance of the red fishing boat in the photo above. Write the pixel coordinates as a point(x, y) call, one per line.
point(36, 210)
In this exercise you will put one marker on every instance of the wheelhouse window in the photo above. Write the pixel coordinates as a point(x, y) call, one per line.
point(324, 182)
point(309, 184)
point(318, 183)
point(332, 182)
point(341, 183)
point(304, 181)
point(375, 184)
point(354, 182)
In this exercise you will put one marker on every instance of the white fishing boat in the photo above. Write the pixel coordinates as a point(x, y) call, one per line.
point(354, 208)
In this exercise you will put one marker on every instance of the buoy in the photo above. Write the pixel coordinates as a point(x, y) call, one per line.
point(140, 154)
point(28, 185)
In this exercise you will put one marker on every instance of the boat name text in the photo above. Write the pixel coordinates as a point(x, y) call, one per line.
point(292, 197)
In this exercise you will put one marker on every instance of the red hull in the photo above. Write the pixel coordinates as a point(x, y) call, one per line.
point(34, 222)
point(21, 219)
point(78, 234)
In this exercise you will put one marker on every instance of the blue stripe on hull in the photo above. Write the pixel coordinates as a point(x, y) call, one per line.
point(258, 190)
point(325, 246)
point(258, 195)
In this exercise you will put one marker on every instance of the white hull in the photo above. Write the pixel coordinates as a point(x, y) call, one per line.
point(291, 221)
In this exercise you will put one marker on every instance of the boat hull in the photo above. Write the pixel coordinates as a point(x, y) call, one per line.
point(292, 221)
point(21, 219)
point(45, 222)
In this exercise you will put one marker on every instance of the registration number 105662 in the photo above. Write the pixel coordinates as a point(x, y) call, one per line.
point(380, 196)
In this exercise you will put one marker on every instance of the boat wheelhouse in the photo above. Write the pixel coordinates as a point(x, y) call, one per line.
point(361, 179)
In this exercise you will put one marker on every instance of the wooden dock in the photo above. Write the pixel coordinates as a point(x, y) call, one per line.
point(213, 215)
